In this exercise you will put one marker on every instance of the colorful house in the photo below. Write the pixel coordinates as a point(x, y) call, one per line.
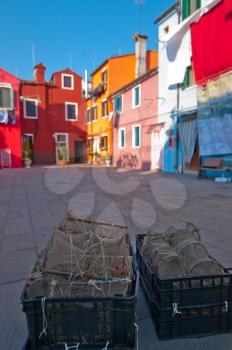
point(177, 92)
point(53, 116)
point(10, 123)
point(135, 128)
point(110, 76)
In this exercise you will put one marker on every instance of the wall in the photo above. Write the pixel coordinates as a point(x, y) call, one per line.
point(168, 100)
point(10, 135)
point(145, 116)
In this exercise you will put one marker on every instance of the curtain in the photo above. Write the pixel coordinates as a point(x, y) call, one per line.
point(188, 136)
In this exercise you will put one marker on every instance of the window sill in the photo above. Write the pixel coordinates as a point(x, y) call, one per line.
point(137, 106)
point(27, 117)
point(71, 120)
point(105, 117)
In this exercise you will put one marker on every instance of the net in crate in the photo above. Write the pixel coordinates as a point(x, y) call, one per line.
point(83, 289)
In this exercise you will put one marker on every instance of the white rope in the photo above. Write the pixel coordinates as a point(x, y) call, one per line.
point(45, 323)
point(226, 305)
point(76, 347)
point(137, 335)
point(106, 347)
point(175, 310)
point(53, 284)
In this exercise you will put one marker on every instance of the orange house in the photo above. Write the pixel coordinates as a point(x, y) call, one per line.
point(110, 76)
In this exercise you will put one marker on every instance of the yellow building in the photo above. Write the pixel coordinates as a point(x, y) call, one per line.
point(110, 76)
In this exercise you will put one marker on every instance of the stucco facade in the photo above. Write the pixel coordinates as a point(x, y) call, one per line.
point(10, 131)
point(137, 119)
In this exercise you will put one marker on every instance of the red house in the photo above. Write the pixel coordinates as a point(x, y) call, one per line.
point(10, 123)
point(53, 116)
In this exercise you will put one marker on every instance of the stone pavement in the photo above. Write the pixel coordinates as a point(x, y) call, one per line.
point(33, 200)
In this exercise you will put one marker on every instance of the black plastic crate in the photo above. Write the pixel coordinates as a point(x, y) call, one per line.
point(90, 321)
point(184, 291)
point(189, 321)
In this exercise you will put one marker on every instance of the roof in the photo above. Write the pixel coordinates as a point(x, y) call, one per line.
point(136, 81)
point(167, 12)
point(33, 82)
point(108, 59)
point(65, 70)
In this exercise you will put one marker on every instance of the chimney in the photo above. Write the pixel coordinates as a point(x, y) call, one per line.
point(39, 73)
point(141, 54)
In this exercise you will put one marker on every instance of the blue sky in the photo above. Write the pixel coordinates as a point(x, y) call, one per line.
point(82, 33)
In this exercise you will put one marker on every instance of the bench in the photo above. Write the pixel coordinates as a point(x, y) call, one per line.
point(218, 165)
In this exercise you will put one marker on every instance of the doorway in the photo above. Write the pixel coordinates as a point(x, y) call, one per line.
point(29, 138)
point(157, 150)
point(62, 147)
point(96, 145)
point(79, 149)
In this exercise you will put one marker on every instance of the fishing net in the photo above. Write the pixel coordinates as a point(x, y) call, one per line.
point(84, 258)
point(163, 258)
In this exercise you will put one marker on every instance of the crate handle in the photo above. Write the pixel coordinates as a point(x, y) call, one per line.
point(75, 347)
point(176, 312)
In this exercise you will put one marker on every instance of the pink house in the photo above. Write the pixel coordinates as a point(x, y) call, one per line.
point(136, 131)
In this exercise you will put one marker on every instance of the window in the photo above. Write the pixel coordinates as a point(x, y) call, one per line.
point(189, 6)
point(6, 97)
point(104, 79)
point(71, 111)
point(30, 107)
point(136, 96)
point(166, 30)
point(136, 136)
point(118, 103)
point(104, 143)
point(94, 113)
point(121, 138)
point(104, 109)
point(189, 79)
point(67, 81)
point(88, 115)
point(90, 144)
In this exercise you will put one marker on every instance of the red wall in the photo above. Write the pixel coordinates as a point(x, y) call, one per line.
point(51, 116)
point(10, 135)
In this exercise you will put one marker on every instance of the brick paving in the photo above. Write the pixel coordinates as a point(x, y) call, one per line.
point(33, 200)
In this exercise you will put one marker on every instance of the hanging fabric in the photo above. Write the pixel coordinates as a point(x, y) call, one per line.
point(3, 116)
point(11, 117)
point(178, 45)
point(211, 38)
point(188, 135)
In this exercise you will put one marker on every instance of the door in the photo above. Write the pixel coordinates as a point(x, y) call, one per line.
point(157, 150)
point(30, 139)
point(62, 147)
point(96, 145)
point(79, 147)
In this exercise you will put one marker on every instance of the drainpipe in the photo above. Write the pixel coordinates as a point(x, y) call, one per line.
point(178, 101)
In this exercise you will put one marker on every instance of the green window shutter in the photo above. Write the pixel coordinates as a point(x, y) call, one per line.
point(137, 96)
point(120, 103)
point(198, 3)
point(137, 138)
point(185, 9)
point(122, 138)
point(116, 104)
point(186, 82)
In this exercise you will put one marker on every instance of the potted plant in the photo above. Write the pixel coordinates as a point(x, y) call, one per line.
point(90, 157)
point(27, 152)
point(108, 160)
point(97, 157)
point(63, 155)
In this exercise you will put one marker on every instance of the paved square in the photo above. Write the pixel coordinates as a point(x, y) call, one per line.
point(33, 200)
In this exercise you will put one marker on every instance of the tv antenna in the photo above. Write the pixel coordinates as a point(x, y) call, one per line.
point(30, 43)
point(140, 4)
